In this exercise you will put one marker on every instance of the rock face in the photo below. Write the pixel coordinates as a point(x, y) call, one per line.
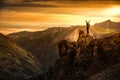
point(87, 57)
point(16, 63)
point(112, 73)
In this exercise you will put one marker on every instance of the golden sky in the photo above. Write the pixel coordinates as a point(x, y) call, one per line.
point(32, 15)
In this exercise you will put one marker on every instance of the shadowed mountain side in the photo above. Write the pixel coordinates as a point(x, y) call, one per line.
point(16, 63)
point(43, 44)
point(87, 57)
point(112, 73)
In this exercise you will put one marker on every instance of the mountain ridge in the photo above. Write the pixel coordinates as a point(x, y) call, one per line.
point(108, 24)
point(16, 63)
point(43, 44)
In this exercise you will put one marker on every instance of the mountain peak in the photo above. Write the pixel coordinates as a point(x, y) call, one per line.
point(1, 34)
point(108, 24)
point(108, 20)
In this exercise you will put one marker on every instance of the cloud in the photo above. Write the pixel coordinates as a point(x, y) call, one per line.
point(58, 3)
point(53, 12)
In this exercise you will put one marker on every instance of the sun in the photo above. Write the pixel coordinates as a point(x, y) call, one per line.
point(115, 11)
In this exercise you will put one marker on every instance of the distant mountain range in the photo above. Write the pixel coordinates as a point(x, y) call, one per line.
point(16, 63)
point(104, 29)
point(109, 25)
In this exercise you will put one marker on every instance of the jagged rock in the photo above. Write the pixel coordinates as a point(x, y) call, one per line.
point(87, 57)
point(67, 48)
point(83, 39)
point(105, 53)
point(112, 73)
point(83, 54)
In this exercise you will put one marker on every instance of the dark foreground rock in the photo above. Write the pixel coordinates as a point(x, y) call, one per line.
point(112, 73)
point(86, 58)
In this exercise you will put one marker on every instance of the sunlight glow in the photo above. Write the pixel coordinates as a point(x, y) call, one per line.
point(115, 11)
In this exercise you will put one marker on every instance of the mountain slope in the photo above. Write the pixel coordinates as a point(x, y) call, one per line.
point(106, 28)
point(109, 25)
point(43, 44)
point(112, 73)
point(16, 63)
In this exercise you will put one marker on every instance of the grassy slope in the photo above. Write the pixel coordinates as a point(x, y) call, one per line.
point(15, 61)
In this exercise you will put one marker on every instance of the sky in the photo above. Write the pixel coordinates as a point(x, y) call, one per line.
point(37, 15)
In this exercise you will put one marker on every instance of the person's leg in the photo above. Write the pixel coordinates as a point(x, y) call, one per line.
point(87, 30)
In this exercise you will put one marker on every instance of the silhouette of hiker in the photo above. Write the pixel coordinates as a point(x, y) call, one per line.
point(87, 26)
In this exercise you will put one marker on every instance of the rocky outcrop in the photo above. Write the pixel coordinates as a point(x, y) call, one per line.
point(16, 63)
point(87, 57)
